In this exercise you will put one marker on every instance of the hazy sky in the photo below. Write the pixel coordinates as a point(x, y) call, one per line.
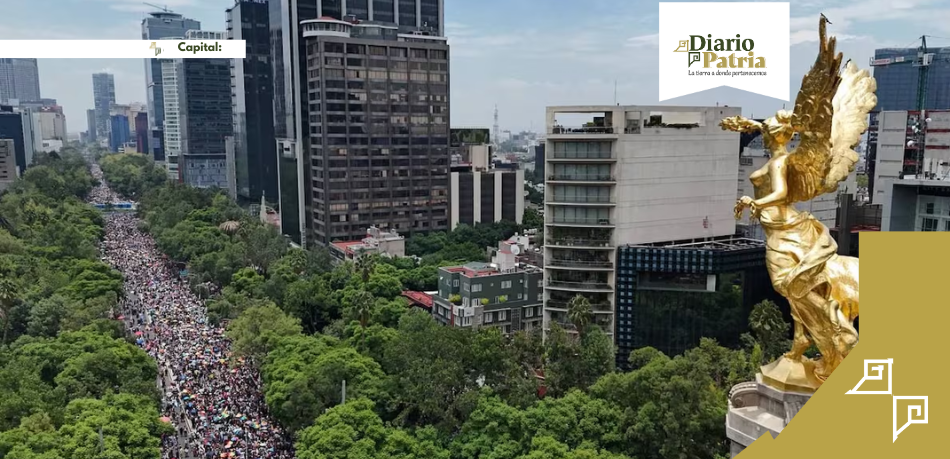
point(520, 54)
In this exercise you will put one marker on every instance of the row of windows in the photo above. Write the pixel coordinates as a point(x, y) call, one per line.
point(393, 52)
point(313, 62)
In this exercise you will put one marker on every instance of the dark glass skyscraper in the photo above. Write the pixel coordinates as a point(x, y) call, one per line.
point(20, 80)
point(897, 76)
point(103, 94)
point(118, 132)
point(17, 126)
point(158, 25)
point(297, 125)
point(206, 120)
point(255, 149)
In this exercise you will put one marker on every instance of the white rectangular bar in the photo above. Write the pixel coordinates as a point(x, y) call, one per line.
point(123, 49)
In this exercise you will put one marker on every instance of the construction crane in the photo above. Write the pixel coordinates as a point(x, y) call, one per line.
point(923, 61)
point(163, 8)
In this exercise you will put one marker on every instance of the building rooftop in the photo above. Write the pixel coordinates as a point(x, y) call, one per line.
point(420, 298)
point(481, 269)
point(726, 243)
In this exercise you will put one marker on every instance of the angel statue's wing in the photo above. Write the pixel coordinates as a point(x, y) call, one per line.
point(809, 164)
point(852, 103)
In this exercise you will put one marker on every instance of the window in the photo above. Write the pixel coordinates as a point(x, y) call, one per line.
point(519, 296)
point(930, 208)
point(505, 284)
point(929, 224)
point(455, 282)
point(487, 317)
point(476, 287)
point(475, 302)
point(529, 312)
point(502, 315)
point(540, 297)
point(540, 283)
point(465, 287)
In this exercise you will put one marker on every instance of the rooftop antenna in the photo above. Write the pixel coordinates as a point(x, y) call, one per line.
point(615, 93)
point(163, 8)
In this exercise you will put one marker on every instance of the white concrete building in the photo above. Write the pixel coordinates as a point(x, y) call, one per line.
point(634, 175)
point(898, 152)
point(171, 85)
point(486, 196)
point(915, 205)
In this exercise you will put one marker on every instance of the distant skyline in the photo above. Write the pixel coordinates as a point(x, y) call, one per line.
point(534, 54)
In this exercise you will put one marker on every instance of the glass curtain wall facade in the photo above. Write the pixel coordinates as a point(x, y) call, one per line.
point(255, 148)
point(158, 25)
point(897, 87)
point(671, 297)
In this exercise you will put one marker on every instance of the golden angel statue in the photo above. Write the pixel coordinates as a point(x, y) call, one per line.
point(830, 116)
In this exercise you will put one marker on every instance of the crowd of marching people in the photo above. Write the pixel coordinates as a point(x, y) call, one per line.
point(214, 400)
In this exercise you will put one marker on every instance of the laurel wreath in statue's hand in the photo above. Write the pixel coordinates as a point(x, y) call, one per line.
point(742, 204)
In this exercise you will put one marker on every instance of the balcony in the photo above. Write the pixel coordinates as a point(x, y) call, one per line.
point(565, 262)
point(593, 222)
point(589, 286)
point(578, 242)
point(586, 129)
point(582, 199)
point(582, 178)
point(583, 157)
point(597, 308)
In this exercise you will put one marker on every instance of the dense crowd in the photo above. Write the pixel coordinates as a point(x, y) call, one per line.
point(214, 400)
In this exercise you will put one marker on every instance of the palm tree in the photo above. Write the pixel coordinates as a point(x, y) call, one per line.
point(366, 264)
point(580, 313)
point(230, 227)
point(363, 302)
point(8, 296)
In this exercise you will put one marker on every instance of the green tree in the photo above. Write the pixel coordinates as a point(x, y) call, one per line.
point(259, 329)
point(770, 331)
point(8, 297)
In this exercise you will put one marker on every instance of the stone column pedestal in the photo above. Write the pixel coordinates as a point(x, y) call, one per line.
point(756, 408)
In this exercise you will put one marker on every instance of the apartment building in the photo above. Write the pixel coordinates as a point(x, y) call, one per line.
point(619, 175)
point(505, 293)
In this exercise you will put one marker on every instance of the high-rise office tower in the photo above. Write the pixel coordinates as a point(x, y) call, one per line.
point(91, 124)
point(255, 149)
point(20, 80)
point(118, 132)
point(160, 25)
point(141, 132)
point(103, 94)
point(310, 41)
point(897, 71)
point(197, 97)
point(17, 125)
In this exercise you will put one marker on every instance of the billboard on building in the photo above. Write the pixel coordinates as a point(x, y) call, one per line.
point(469, 136)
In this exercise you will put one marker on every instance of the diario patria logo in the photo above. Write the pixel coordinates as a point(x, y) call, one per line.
point(708, 45)
point(712, 53)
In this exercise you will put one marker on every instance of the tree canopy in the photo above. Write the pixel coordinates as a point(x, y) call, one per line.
point(66, 368)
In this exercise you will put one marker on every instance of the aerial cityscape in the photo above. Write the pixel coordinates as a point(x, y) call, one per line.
point(342, 246)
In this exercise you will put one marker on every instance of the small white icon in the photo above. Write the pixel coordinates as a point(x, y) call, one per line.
point(912, 410)
point(876, 366)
